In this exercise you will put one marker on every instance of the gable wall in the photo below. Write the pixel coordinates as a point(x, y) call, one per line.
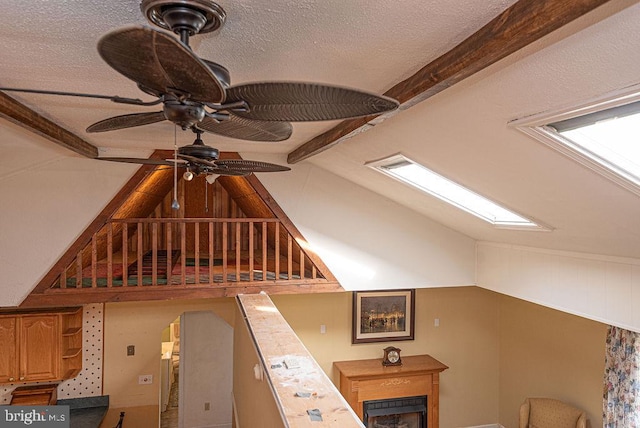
point(367, 241)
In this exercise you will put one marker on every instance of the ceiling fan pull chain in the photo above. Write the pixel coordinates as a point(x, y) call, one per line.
point(206, 196)
point(175, 205)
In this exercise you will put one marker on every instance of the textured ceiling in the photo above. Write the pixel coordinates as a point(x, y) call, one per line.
point(361, 44)
point(462, 132)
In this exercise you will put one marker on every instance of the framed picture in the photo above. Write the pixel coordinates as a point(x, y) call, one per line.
point(383, 316)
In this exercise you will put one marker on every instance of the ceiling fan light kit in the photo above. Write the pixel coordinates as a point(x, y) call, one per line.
point(197, 94)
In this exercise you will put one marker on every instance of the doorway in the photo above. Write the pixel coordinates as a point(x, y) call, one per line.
point(170, 375)
point(202, 367)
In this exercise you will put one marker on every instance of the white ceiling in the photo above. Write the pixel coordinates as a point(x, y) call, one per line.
point(372, 45)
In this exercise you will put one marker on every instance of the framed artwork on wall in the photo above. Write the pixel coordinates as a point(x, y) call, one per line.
point(383, 316)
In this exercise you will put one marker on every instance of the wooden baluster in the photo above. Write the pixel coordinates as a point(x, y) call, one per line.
point(79, 270)
point(183, 250)
point(110, 255)
point(301, 264)
point(139, 250)
point(63, 278)
point(264, 250)
point(289, 257)
point(224, 251)
point(94, 262)
point(314, 272)
point(125, 254)
point(238, 252)
point(196, 241)
point(169, 253)
point(277, 251)
point(211, 251)
point(250, 251)
point(154, 253)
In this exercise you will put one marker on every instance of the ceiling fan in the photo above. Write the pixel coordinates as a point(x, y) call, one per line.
point(197, 94)
point(199, 159)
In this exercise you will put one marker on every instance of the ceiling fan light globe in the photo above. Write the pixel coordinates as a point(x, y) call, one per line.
point(188, 175)
point(211, 178)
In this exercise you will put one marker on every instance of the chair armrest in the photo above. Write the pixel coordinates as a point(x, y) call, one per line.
point(524, 414)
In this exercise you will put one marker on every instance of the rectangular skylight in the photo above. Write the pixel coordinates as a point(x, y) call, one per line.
point(602, 134)
point(422, 178)
point(610, 137)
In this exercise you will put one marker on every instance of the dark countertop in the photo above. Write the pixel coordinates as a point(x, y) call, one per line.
point(86, 412)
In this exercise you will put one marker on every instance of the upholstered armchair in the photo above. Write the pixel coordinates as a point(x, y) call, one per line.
point(550, 413)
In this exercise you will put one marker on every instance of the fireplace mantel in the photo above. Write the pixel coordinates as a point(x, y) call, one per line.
point(364, 380)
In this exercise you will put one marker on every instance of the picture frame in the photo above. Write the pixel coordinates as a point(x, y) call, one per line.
point(383, 316)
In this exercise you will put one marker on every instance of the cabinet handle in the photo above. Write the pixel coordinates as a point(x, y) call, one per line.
point(21, 377)
point(11, 379)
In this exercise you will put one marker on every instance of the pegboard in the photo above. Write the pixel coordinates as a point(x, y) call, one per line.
point(88, 383)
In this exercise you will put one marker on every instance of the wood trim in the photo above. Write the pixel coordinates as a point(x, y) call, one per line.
point(71, 297)
point(518, 26)
point(82, 241)
point(21, 115)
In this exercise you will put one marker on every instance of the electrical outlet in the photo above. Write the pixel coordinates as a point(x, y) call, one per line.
point(131, 350)
point(146, 379)
point(207, 406)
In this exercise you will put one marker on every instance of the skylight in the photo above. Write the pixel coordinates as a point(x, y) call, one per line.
point(611, 137)
point(602, 135)
point(422, 178)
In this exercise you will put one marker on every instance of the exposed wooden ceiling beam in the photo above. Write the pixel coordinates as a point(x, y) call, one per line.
point(22, 115)
point(521, 24)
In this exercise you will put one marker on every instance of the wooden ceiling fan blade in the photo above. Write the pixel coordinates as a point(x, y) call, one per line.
point(247, 129)
point(302, 102)
point(126, 121)
point(142, 161)
point(243, 167)
point(160, 62)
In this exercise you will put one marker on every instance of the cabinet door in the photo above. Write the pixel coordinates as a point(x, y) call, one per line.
point(39, 348)
point(9, 354)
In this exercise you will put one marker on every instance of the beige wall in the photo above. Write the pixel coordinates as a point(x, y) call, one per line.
point(499, 349)
point(547, 353)
point(467, 340)
point(141, 324)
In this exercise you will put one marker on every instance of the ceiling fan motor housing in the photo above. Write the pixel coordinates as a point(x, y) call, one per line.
point(200, 151)
point(183, 114)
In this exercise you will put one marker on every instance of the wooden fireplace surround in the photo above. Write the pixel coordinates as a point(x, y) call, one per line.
point(364, 380)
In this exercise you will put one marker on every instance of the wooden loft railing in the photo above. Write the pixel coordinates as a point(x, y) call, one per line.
point(227, 239)
point(189, 252)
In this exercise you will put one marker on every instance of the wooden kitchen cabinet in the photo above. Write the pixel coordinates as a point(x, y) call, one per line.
point(44, 345)
point(9, 356)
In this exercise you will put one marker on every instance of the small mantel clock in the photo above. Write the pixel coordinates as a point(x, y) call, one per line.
point(391, 356)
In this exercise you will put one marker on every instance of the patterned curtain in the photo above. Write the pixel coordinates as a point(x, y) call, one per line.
point(622, 379)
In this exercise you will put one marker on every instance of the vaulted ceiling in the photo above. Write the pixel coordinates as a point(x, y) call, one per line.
point(461, 131)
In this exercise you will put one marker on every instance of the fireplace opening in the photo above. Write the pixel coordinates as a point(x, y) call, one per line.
point(407, 412)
